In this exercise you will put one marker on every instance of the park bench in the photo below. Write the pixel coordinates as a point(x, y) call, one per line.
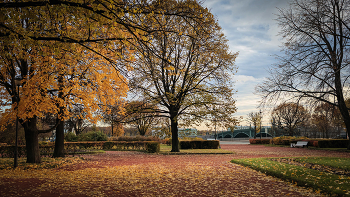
point(299, 144)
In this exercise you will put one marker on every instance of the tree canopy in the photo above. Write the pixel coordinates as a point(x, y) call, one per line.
point(70, 52)
point(186, 69)
point(316, 62)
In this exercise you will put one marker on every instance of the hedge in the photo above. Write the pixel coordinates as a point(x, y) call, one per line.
point(334, 143)
point(134, 138)
point(287, 140)
point(152, 147)
point(199, 144)
point(259, 141)
point(75, 147)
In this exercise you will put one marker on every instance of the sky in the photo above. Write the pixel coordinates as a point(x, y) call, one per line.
point(252, 30)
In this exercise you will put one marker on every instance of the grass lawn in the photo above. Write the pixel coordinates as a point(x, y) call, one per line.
point(310, 147)
point(318, 180)
point(165, 149)
point(341, 163)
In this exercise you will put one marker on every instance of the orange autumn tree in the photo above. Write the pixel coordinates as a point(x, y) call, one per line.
point(43, 39)
point(51, 89)
point(54, 75)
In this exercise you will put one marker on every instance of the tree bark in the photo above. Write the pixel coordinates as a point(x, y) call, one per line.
point(341, 102)
point(59, 142)
point(32, 142)
point(174, 134)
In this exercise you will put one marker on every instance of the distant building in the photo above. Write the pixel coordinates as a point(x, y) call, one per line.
point(188, 132)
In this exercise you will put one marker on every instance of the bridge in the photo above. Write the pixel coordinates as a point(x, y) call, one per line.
point(243, 133)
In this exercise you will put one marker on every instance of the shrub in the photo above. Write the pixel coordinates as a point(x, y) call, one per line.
point(185, 144)
point(70, 137)
point(152, 147)
point(166, 141)
point(192, 139)
point(333, 143)
point(210, 144)
point(286, 140)
point(259, 141)
point(134, 138)
point(313, 143)
point(92, 136)
point(201, 144)
point(108, 145)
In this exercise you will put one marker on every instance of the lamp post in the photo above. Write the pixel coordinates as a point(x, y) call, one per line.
point(260, 124)
point(15, 163)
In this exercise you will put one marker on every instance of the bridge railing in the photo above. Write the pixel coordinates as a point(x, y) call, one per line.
point(237, 139)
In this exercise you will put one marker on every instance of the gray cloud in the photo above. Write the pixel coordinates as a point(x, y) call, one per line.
point(251, 29)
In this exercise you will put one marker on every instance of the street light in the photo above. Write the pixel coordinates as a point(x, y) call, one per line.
point(260, 124)
point(18, 82)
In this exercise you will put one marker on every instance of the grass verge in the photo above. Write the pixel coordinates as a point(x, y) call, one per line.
point(334, 162)
point(165, 149)
point(319, 181)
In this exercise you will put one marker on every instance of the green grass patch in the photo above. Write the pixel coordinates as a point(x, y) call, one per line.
point(165, 149)
point(334, 162)
point(319, 181)
point(46, 163)
point(331, 149)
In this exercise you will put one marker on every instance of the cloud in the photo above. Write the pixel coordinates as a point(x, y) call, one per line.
point(251, 29)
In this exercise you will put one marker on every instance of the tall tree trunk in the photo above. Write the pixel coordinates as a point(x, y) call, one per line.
point(32, 142)
point(59, 142)
point(112, 126)
point(254, 132)
point(341, 103)
point(174, 134)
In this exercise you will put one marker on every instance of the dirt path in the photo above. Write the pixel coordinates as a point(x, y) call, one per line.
point(139, 174)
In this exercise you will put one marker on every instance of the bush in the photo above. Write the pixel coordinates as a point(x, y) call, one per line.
point(92, 136)
point(108, 145)
point(333, 143)
point(152, 147)
point(287, 140)
point(70, 137)
point(201, 144)
point(134, 138)
point(166, 141)
point(192, 139)
point(259, 141)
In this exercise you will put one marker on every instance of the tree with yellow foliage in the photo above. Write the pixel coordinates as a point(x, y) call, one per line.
point(255, 118)
point(71, 51)
point(185, 69)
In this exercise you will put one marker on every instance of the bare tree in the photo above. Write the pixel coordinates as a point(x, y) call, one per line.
point(289, 116)
point(141, 115)
point(316, 62)
point(255, 119)
point(326, 118)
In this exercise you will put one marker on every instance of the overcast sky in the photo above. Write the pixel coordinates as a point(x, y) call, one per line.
point(251, 29)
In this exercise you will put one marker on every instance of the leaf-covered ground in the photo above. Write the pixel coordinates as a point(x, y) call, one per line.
point(139, 174)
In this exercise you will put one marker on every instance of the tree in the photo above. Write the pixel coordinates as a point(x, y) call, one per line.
point(76, 122)
point(141, 115)
point(185, 69)
point(51, 84)
point(255, 118)
point(316, 63)
point(289, 116)
point(113, 116)
point(325, 117)
point(41, 39)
